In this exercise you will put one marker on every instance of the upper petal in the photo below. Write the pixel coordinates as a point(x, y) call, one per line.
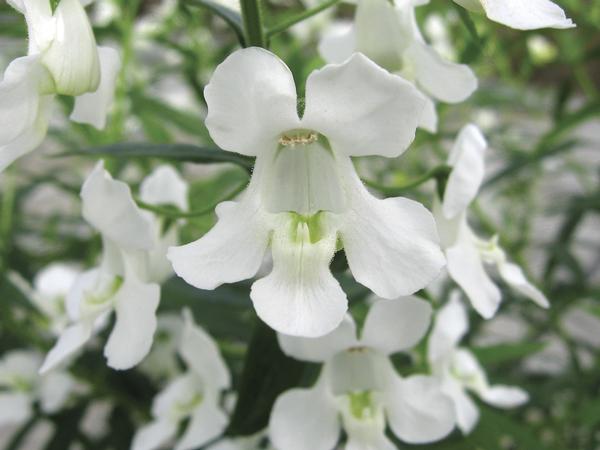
point(338, 42)
point(154, 435)
point(362, 109)
point(92, 107)
point(132, 335)
point(514, 276)
point(71, 339)
point(251, 100)
point(322, 348)
point(418, 411)
point(391, 245)
point(395, 325)
point(201, 354)
point(231, 251)
point(527, 14)
point(300, 296)
point(443, 80)
point(303, 419)
point(109, 207)
point(468, 170)
point(164, 186)
point(451, 324)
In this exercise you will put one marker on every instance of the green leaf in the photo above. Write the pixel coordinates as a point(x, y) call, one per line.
point(172, 152)
point(231, 17)
point(497, 354)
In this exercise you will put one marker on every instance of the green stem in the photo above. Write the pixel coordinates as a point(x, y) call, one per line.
point(437, 172)
point(176, 214)
point(6, 218)
point(300, 17)
point(253, 25)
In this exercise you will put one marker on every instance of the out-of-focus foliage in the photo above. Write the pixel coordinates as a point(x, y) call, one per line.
point(539, 105)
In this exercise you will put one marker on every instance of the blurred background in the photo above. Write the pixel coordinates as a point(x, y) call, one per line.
point(538, 104)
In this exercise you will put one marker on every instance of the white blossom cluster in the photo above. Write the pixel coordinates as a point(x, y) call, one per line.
point(305, 202)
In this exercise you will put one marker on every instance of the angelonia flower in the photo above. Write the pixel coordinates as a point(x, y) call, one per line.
point(193, 395)
point(466, 254)
point(51, 286)
point(21, 387)
point(387, 32)
point(459, 370)
point(63, 58)
point(521, 14)
point(359, 389)
point(131, 269)
point(305, 199)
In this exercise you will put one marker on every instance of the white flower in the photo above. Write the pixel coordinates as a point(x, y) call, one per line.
point(62, 59)
point(387, 32)
point(460, 371)
point(126, 279)
point(21, 387)
point(465, 252)
point(521, 14)
point(194, 395)
point(51, 286)
point(359, 390)
point(305, 197)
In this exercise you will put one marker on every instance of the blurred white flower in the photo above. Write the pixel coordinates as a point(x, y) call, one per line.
point(62, 59)
point(359, 390)
point(133, 263)
point(541, 49)
point(305, 194)
point(465, 252)
point(460, 371)
point(194, 395)
point(388, 33)
point(521, 14)
point(21, 387)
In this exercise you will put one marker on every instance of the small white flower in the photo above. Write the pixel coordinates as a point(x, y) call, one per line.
point(460, 371)
point(194, 395)
point(21, 387)
point(62, 59)
point(521, 14)
point(305, 197)
point(466, 254)
point(126, 281)
point(387, 32)
point(359, 390)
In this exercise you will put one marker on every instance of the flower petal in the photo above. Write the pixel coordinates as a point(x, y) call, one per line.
point(467, 413)
point(504, 396)
point(418, 411)
point(338, 42)
point(55, 388)
point(207, 422)
point(391, 245)
point(468, 170)
point(466, 269)
point(109, 207)
point(201, 354)
point(396, 325)
point(131, 338)
point(251, 100)
point(92, 107)
point(451, 324)
point(70, 340)
point(15, 408)
point(443, 80)
point(429, 118)
point(233, 250)
point(383, 122)
point(164, 186)
point(322, 348)
point(527, 15)
point(300, 297)
point(304, 418)
point(513, 275)
point(154, 435)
